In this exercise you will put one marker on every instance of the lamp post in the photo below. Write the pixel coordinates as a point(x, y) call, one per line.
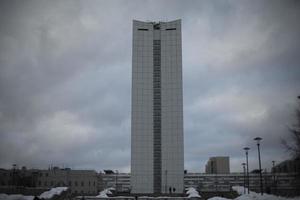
point(248, 183)
point(117, 172)
point(258, 139)
point(244, 169)
point(166, 181)
point(274, 180)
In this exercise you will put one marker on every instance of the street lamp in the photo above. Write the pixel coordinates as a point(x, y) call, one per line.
point(274, 179)
point(244, 169)
point(166, 181)
point(248, 183)
point(117, 172)
point(258, 139)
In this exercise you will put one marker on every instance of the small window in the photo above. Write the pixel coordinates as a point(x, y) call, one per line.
point(170, 29)
point(143, 29)
point(82, 183)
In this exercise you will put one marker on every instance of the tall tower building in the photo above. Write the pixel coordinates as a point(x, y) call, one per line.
point(157, 163)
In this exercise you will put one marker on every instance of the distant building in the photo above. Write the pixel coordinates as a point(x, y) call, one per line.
point(79, 182)
point(218, 165)
point(287, 166)
point(119, 181)
point(215, 182)
point(285, 182)
point(89, 182)
point(18, 177)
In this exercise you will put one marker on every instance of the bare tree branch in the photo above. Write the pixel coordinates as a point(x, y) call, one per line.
point(293, 146)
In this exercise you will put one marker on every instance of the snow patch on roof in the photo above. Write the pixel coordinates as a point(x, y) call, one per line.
point(105, 192)
point(54, 191)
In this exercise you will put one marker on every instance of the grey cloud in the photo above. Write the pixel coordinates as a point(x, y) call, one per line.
point(65, 70)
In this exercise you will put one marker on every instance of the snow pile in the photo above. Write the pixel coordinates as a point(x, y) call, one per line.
point(218, 198)
point(240, 190)
point(253, 196)
point(46, 195)
point(105, 192)
point(192, 193)
point(54, 191)
point(15, 197)
point(257, 196)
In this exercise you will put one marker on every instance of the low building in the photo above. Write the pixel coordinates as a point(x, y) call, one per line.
point(81, 182)
point(89, 182)
point(287, 166)
point(120, 181)
point(218, 165)
point(279, 183)
point(18, 177)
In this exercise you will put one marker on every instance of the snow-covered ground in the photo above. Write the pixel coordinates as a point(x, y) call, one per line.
point(46, 195)
point(253, 196)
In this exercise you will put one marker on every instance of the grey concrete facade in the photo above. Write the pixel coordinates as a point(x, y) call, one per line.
point(157, 162)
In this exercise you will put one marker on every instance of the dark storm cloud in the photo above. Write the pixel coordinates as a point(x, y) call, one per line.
point(65, 79)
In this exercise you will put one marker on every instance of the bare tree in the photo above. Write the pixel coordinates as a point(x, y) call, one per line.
point(293, 146)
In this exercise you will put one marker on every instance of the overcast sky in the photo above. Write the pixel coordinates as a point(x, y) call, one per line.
point(65, 80)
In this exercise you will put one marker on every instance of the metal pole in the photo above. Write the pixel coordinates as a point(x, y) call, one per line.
point(166, 182)
point(274, 181)
point(248, 182)
point(244, 168)
point(260, 172)
point(117, 172)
